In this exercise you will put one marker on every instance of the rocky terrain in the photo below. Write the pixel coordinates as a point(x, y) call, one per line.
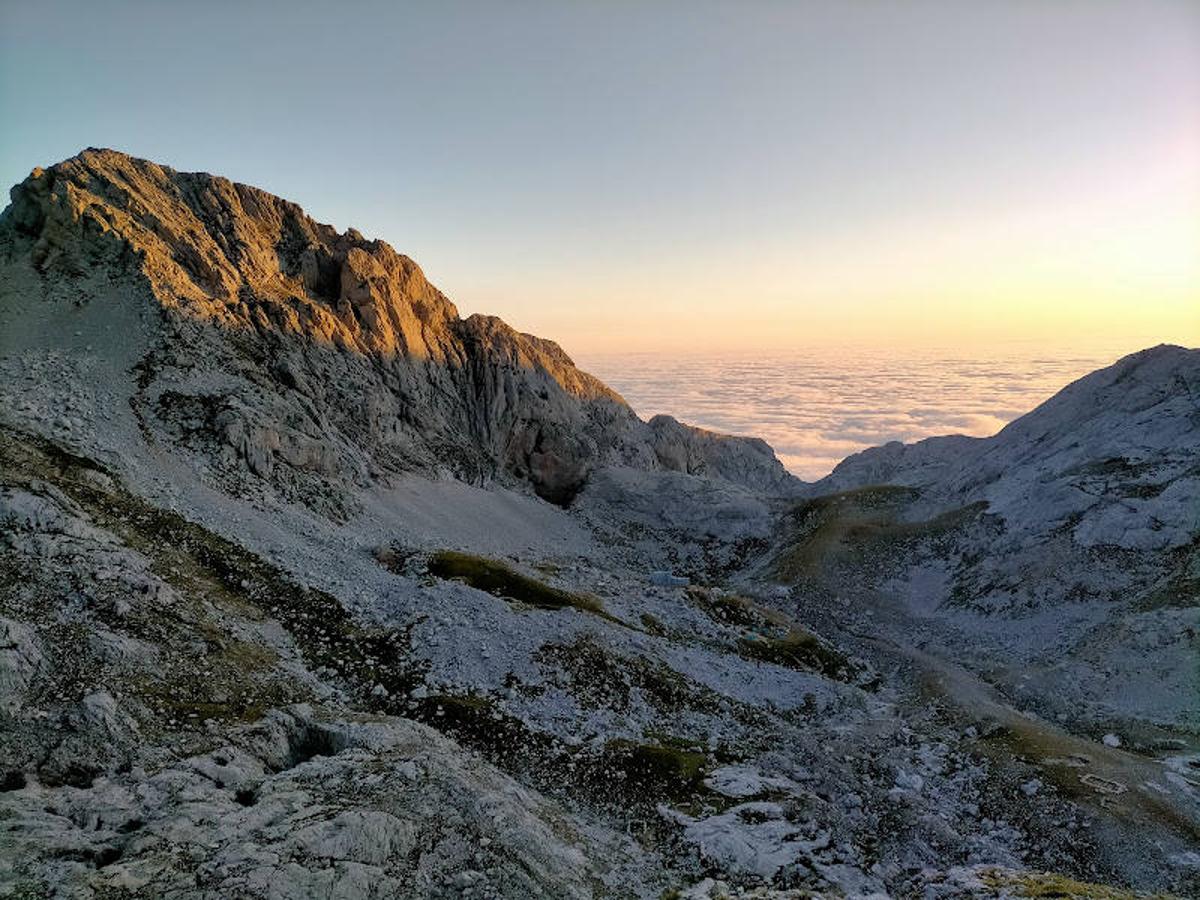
point(310, 587)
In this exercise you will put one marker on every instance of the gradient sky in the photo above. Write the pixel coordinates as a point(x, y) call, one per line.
point(682, 175)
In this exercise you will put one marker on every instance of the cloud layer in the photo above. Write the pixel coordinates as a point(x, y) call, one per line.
point(816, 408)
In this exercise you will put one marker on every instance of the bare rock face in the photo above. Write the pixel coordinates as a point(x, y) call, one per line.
point(309, 358)
point(749, 462)
point(1112, 459)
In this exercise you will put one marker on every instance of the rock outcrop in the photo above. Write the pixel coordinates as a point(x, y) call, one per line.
point(314, 358)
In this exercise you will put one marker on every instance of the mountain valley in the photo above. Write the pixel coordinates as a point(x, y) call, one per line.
point(311, 587)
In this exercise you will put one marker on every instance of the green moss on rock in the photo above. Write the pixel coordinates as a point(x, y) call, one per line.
point(727, 609)
point(1039, 885)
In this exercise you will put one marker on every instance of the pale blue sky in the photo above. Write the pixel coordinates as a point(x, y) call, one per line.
point(647, 174)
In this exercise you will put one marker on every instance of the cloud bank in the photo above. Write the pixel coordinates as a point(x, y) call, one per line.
point(816, 408)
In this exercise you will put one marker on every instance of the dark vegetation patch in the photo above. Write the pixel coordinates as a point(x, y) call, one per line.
point(1118, 466)
point(1119, 476)
point(1046, 885)
point(601, 678)
point(771, 637)
point(501, 580)
point(727, 609)
point(871, 497)
point(1180, 588)
point(662, 770)
point(858, 525)
point(77, 773)
point(798, 649)
point(722, 753)
point(652, 624)
point(1176, 592)
point(622, 776)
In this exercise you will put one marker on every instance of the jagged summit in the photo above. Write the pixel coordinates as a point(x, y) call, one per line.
point(328, 356)
point(243, 257)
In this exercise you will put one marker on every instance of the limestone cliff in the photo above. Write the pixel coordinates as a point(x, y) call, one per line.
point(311, 357)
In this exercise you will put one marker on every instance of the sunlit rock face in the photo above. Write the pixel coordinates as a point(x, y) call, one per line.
point(327, 357)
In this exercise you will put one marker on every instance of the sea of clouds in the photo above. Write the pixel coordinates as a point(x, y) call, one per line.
point(817, 407)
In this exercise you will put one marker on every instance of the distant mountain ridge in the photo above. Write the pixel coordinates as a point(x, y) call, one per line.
point(1129, 432)
point(1062, 553)
point(375, 369)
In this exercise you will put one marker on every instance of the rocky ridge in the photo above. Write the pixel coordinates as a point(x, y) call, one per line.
point(317, 357)
point(1078, 531)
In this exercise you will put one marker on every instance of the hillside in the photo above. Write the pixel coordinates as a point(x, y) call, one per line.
point(1071, 573)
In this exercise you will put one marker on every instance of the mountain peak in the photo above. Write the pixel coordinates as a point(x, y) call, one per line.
point(227, 252)
point(337, 355)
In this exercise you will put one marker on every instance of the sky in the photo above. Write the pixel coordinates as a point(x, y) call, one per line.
point(686, 176)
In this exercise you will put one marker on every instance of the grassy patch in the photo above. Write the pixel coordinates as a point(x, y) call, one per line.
point(502, 580)
point(874, 497)
point(1176, 593)
point(1037, 885)
point(600, 678)
point(662, 770)
point(1181, 588)
point(770, 636)
point(727, 609)
point(240, 685)
point(856, 522)
point(799, 650)
point(621, 774)
point(654, 625)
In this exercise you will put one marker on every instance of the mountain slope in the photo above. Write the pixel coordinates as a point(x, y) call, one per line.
point(315, 358)
point(1061, 555)
point(1117, 452)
